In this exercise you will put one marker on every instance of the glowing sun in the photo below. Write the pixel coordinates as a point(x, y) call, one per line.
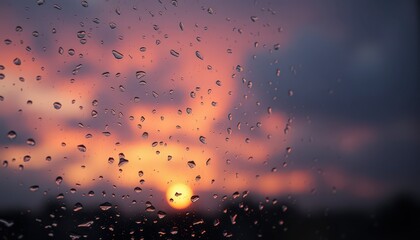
point(179, 196)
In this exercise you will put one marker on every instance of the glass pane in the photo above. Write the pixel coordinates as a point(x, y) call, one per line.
point(209, 119)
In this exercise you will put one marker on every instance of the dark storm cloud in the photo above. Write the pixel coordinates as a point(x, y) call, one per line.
point(355, 62)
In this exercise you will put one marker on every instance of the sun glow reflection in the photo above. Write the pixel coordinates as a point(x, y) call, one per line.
point(179, 196)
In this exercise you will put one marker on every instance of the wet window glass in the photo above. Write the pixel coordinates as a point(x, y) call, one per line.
point(233, 119)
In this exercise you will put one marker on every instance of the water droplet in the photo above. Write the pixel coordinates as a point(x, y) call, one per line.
point(254, 18)
point(235, 195)
point(81, 34)
point(198, 54)
point(81, 148)
point(195, 198)
point(112, 25)
point(86, 224)
point(34, 188)
point(230, 116)
point(60, 50)
point(94, 113)
point(122, 162)
point(17, 61)
point(57, 105)
point(6, 223)
point(276, 46)
point(11, 135)
point(145, 135)
point(181, 26)
point(58, 180)
point(117, 54)
point(161, 214)
point(137, 189)
point(40, 2)
point(30, 142)
point(269, 110)
point(77, 207)
point(27, 158)
point(249, 84)
point(56, 6)
point(105, 206)
point(71, 51)
point(239, 68)
point(191, 164)
point(140, 74)
point(84, 3)
point(202, 139)
point(19, 29)
point(174, 53)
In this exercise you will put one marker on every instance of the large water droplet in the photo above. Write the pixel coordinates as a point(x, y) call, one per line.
point(58, 180)
point(174, 53)
point(86, 224)
point(198, 54)
point(122, 162)
point(34, 188)
point(94, 113)
point(117, 54)
point(195, 198)
point(140, 74)
point(254, 18)
point(161, 214)
point(6, 223)
point(57, 105)
point(191, 164)
point(30, 142)
point(105, 206)
point(17, 61)
point(77, 207)
point(11, 135)
point(81, 34)
point(81, 148)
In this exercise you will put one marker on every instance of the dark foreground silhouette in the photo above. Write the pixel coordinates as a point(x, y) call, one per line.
point(396, 219)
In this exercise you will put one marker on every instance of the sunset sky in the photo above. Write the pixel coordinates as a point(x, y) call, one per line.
point(266, 99)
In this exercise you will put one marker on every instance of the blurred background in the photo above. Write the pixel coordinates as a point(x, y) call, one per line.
point(209, 119)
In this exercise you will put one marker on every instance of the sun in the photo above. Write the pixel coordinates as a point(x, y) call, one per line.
point(179, 196)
